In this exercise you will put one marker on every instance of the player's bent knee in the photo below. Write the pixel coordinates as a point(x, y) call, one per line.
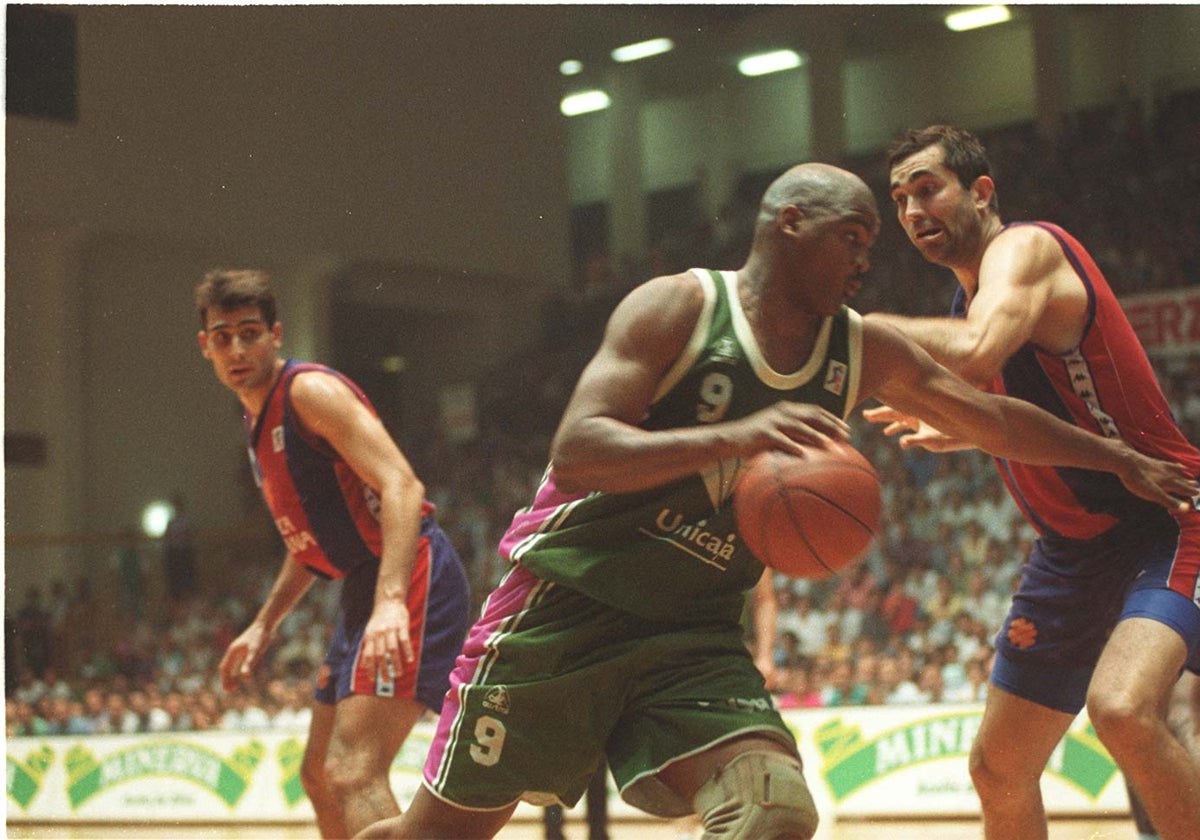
point(1121, 721)
point(349, 772)
point(758, 795)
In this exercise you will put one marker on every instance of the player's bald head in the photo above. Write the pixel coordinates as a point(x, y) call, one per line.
point(818, 189)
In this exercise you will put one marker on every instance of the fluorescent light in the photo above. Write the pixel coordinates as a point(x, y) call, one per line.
point(771, 62)
point(643, 49)
point(584, 102)
point(570, 67)
point(977, 17)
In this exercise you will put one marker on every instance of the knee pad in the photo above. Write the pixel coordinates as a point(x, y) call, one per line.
point(758, 795)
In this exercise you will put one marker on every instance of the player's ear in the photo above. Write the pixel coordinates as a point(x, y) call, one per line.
point(790, 216)
point(202, 339)
point(277, 334)
point(982, 191)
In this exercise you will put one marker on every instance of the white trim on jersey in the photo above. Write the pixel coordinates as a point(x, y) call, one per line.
point(768, 375)
point(698, 339)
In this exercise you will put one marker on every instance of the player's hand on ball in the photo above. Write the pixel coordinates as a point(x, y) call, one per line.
point(789, 426)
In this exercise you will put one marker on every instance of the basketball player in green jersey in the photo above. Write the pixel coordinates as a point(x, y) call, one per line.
point(616, 634)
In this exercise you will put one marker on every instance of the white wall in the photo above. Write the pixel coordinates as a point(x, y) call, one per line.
point(298, 139)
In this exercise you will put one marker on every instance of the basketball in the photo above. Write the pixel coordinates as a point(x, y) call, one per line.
point(809, 515)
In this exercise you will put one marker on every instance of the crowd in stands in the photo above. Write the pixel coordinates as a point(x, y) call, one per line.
point(911, 623)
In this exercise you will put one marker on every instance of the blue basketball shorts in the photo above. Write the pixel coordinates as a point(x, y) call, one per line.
point(1073, 593)
point(439, 616)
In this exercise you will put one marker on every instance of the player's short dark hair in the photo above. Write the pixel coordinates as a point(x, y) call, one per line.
point(231, 289)
point(962, 153)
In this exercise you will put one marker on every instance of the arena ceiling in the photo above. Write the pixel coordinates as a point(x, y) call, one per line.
point(710, 38)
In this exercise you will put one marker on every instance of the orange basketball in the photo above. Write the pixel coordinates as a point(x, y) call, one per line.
point(809, 515)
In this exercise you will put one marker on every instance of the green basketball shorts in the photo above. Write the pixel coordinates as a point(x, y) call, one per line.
point(551, 684)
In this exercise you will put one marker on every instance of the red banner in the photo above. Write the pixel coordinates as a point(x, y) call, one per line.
point(1168, 323)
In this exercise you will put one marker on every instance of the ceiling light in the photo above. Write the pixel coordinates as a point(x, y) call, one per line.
point(977, 17)
point(643, 49)
point(584, 102)
point(570, 67)
point(771, 62)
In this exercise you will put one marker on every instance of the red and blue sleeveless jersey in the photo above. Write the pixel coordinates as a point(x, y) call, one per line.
point(1104, 385)
point(328, 517)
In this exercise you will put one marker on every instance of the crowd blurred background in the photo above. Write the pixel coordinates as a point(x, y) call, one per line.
point(133, 645)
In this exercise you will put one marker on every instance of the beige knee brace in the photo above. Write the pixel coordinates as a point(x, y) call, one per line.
point(758, 795)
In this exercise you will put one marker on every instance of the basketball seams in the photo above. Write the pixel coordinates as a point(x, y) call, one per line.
point(784, 494)
point(809, 515)
point(788, 492)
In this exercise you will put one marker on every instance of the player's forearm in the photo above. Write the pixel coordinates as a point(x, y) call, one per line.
point(1033, 436)
point(290, 585)
point(614, 457)
point(765, 617)
point(400, 521)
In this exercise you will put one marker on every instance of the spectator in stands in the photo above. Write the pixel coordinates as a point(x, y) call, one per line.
point(171, 716)
point(118, 718)
point(974, 543)
point(895, 687)
point(983, 603)
point(973, 688)
point(78, 720)
point(929, 683)
point(856, 586)
point(797, 689)
point(841, 689)
point(244, 713)
point(899, 608)
point(809, 624)
point(944, 606)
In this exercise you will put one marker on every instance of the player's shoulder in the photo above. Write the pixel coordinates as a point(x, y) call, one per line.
point(1041, 237)
point(684, 283)
point(657, 316)
point(1027, 251)
point(316, 384)
point(668, 296)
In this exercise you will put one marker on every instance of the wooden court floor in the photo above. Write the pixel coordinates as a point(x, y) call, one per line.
point(1089, 829)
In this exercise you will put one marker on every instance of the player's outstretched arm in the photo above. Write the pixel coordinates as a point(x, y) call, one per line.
point(907, 379)
point(598, 445)
point(1025, 292)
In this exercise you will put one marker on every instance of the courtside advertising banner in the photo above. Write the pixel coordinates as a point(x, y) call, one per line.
point(889, 761)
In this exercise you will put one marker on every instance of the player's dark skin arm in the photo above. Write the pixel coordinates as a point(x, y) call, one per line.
point(598, 445)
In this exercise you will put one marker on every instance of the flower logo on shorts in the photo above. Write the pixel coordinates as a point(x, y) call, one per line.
point(1022, 633)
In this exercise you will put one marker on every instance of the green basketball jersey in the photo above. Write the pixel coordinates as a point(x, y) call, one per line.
point(673, 552)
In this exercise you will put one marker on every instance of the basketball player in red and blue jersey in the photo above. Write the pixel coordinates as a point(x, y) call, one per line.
point(1108, 608)
point(348, 506)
